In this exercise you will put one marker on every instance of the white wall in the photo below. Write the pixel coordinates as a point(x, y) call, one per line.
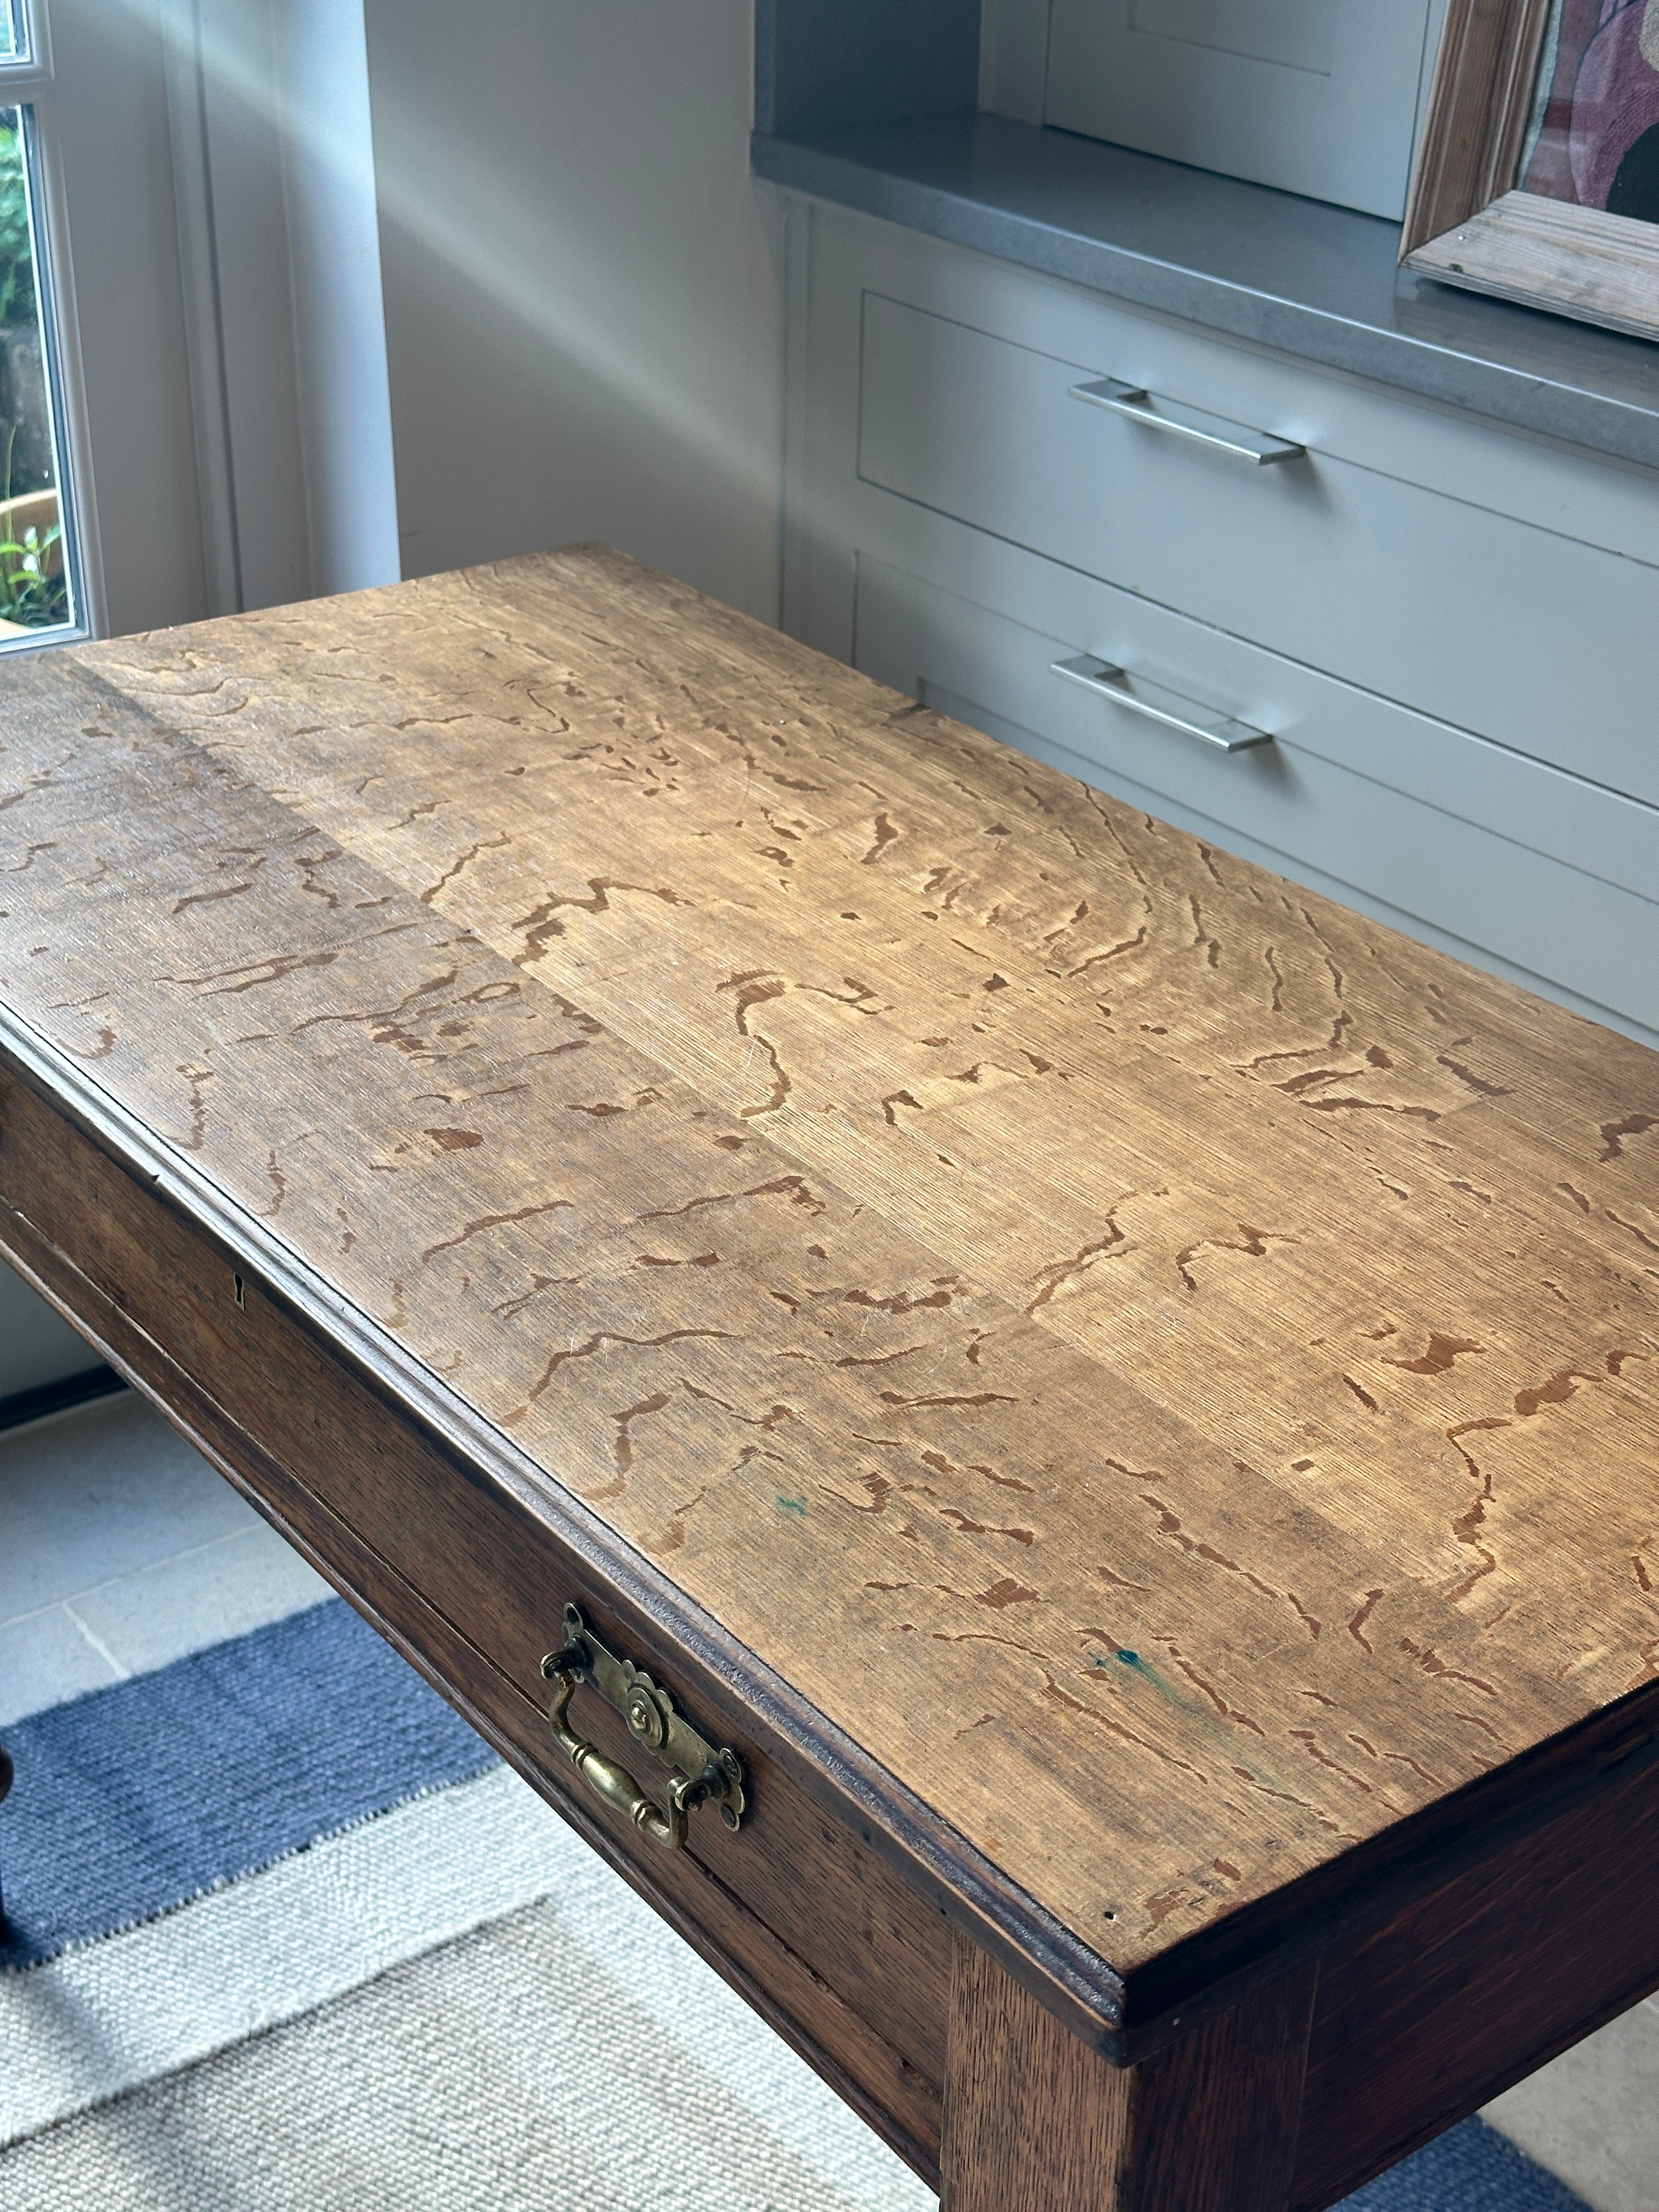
point(106, 120)
point(276, 186)
point(35, 1346)
point(583, 284)
point(334, 255)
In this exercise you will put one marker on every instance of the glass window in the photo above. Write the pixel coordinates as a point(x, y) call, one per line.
point(34, 573)
point(39, 594)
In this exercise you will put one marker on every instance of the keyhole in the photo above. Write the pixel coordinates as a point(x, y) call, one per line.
point(240, 1298)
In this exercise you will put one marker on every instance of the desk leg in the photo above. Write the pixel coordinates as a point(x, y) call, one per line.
point(1035, 2121)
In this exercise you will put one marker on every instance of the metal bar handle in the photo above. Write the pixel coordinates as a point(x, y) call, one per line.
point(1221, 436)
point(1171, 709)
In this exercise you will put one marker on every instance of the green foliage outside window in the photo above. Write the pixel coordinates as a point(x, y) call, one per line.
point(16, 248)
point(30, 594)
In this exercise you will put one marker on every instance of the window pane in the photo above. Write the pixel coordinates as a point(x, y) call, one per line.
point(11, 41)
point(36, 592)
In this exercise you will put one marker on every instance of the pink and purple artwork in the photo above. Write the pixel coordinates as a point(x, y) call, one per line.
point(1596, 140)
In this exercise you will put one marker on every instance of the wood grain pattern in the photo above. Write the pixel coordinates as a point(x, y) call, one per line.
point(886, 1962)
point(1418, 2022)
point(1165, 1367)
point(328, 1452)
point(1480, 101)
point(1470, 1989)
point(1035, 2121)
point(1579, 261)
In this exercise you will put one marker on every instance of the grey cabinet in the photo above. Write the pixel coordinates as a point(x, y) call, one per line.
point(1353, 793)
point(1316, 96)
point(1449, 632)
point(1540, 642)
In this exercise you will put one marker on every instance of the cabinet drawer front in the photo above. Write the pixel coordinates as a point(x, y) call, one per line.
point(1381, 831)
point(848, 1962)
point(1316, 99)
point(1533, 638)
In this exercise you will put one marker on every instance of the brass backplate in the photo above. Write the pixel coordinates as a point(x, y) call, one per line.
point(705, 1775)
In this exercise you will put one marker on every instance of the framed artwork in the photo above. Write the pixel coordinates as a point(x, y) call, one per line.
point(1537, 178)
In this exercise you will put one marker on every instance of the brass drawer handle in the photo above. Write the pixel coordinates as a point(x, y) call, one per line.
point(702, 1775)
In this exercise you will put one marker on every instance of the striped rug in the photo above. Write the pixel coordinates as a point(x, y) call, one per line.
point(284, 1934)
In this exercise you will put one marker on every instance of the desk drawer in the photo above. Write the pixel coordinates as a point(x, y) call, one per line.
point(1525, 636)
point(1354, 793)
point(845, 1960)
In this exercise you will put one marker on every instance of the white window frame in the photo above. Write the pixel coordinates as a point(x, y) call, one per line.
point(269, 108)
point(28, 82)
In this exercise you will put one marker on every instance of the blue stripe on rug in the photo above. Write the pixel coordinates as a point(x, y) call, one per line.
point(133, 1800)
point(1471, 2168)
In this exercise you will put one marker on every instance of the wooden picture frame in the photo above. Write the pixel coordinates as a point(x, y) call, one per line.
point(1465, 222)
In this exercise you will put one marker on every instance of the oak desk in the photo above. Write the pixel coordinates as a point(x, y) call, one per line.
point(1122, 1394)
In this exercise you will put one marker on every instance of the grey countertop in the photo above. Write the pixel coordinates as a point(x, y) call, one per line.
point(1316, 281)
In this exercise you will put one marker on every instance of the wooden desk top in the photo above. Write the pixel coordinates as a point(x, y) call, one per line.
point(1167, 1367)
